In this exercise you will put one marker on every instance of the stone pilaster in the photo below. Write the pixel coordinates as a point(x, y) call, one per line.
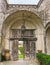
point(3, 6)
point(2, 18)
point(1, 23)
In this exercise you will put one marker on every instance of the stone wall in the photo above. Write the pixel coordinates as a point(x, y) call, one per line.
point(43, 11)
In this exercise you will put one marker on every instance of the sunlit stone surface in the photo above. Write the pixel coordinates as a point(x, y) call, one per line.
point(36, 17)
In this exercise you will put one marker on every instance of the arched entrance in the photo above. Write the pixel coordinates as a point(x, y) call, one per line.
point(14, 22)
point(48, 38)
point(27, 48)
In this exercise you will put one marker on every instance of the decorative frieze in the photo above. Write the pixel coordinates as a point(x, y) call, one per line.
point(13, 8)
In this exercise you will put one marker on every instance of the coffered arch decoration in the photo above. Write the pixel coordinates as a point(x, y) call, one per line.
point(15, 20)
point(18, 16)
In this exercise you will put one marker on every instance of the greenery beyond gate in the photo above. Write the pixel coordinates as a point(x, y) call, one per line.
point(21, 55)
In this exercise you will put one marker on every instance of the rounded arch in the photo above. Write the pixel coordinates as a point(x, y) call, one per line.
point(48, 37)
point(28, 15)
point(16, 19)
point(47, 26)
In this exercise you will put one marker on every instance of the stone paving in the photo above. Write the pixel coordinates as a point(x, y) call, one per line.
point(20, 62)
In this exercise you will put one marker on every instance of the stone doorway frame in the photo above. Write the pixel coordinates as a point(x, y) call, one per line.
point(25, 40)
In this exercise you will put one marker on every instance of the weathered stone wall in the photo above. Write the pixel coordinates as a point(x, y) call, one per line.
point(43, 11)
point(5, 12)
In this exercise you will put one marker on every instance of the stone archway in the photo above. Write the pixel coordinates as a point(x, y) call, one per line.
point(15, 20)
point(48, 38)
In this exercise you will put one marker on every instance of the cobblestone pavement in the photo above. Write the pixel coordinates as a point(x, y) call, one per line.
point(21, 62)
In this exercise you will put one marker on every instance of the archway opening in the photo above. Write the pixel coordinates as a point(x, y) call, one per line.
point(15, 21)
point(48, 39)
point(20, 50)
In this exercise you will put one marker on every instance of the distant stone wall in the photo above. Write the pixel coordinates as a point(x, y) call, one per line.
point(44, 11)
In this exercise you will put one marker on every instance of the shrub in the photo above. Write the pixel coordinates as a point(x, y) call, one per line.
point(43, 59)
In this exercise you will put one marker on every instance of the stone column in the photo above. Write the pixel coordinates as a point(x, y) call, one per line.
point(1, 23)
point(2, 18)
point(27, 49)
point(45, 47)
point(15, 50)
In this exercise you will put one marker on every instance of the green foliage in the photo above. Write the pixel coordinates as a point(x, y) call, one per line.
point(21, 56)
point(21, 50)
point(43, 59)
